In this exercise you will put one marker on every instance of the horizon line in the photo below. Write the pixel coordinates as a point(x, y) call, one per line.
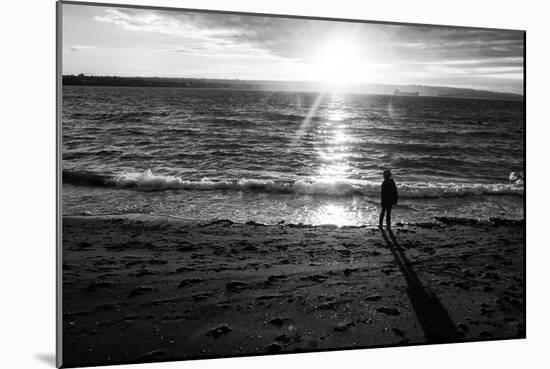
point(341, 85)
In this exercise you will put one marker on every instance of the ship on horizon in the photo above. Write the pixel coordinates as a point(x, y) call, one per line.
point(397, 92)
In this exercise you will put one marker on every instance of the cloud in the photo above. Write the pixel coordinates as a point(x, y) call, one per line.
point(76, 48)
point(512, 67)
point(460, 43)
point(229, 34)
point(296, 38)
point(425, 52)
point(159, 22)
point(189, 35)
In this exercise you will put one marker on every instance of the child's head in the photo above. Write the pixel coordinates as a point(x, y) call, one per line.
point(387, 174)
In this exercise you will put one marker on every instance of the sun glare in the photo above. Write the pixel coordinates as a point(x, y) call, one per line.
point(332, 214)
point(337, 61)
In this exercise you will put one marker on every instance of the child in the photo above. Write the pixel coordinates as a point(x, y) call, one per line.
point(389, 198)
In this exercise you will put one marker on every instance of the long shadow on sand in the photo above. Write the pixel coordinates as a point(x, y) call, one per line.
point(436, 323)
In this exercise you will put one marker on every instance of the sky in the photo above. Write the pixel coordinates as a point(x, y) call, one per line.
point(100, 40)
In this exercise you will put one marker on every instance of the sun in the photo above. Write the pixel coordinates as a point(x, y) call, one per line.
point(337, 61)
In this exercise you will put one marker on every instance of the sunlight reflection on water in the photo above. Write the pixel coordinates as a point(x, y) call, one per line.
point(355, 214)
point(333, 153)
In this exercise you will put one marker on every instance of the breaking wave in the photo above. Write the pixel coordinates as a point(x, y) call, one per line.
point(147, 181)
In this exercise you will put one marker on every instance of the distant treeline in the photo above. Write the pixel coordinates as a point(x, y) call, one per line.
point(370, 88)
point(83, 80)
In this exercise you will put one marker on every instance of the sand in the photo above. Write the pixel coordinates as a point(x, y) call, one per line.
point(144, 288)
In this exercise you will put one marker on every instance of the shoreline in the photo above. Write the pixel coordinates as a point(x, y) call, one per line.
point(160, 288)
point(438, 221)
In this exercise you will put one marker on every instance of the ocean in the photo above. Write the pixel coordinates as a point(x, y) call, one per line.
point(296, 157)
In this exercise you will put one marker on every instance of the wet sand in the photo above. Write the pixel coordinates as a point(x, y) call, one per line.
point(144, 288)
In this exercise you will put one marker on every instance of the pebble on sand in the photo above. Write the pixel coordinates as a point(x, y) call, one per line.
point(219, 331)
point(341, 327)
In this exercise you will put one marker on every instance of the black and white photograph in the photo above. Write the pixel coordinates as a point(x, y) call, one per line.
point(238, 184)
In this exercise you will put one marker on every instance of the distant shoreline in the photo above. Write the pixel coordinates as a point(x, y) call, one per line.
point(285, 86)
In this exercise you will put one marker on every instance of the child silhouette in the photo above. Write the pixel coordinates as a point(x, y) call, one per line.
point(388, 198)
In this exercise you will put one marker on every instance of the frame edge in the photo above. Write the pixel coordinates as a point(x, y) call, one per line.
point(59, 254)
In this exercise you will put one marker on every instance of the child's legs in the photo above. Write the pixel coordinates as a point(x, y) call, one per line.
point(388, 215)
point(382, 214)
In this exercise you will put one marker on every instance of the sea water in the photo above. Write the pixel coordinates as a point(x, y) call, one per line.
point(298, 157)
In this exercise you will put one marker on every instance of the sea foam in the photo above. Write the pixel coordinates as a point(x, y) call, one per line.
point(148, 181)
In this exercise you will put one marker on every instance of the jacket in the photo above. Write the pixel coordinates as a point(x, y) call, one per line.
point(389, 193)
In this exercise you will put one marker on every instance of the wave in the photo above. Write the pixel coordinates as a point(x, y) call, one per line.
point(119, 117)
point(79, 154)
point(517, 177)
point(147, 181)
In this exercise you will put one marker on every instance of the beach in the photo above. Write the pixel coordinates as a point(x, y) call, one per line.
point(140, 287)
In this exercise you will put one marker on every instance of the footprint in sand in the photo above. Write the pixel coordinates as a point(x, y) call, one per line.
point(344, 326)
point(236, 286)
point(279, 322)
point(388, 311)
point(141, 290)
